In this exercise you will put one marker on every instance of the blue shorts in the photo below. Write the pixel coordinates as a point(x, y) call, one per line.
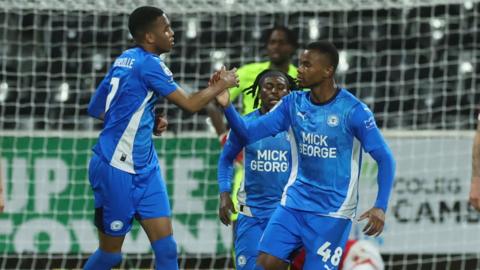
point(248, 232)
point(121, 196)
point(323, 237)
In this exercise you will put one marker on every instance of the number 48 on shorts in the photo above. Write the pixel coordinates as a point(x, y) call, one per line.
point(326, 253)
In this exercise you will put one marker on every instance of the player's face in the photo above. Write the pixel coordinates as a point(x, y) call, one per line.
point(162, 35)
point(278, 48)
point(273, 88)
point(313, 69)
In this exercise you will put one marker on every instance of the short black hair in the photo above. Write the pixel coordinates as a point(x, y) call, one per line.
point(141, 19)
point(254, 89)
point(292, 36)
point(326, 47)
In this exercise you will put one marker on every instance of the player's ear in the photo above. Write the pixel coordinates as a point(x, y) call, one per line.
point(329, 72)
point(149, 37)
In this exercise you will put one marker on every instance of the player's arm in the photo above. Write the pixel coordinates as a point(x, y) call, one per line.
point(272, 123)
point(160, 79)
point(225, 172)
point(215, 113)
point(474, 197)
point(216, 117)
point(96, 107)
point(198, 100)
point(362, 123)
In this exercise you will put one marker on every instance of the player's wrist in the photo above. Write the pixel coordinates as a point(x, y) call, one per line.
point(227, 107)
point(224, 104)
point(225, 194)
point(381, 206)
point(220, 86)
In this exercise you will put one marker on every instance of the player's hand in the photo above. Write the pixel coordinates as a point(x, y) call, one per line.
point(228, 78)
point(474, 197)
point(376, 221)
point(226, 208)
point(161, 124)
point(214, 78)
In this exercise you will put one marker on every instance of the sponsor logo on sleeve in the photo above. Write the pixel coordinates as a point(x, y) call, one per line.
point(370, 123)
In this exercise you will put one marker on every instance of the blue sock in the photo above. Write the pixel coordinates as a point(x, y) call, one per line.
point(165, 253)
point(101, 260)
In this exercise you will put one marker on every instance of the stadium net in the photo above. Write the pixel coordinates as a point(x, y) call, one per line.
point(415, 63)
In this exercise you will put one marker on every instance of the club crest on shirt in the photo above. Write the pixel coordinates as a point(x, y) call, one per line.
point(242, 260)
point(333, 120)
point(166, 69)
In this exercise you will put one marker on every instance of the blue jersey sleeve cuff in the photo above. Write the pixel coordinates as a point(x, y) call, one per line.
point(225, 187)
point(230, 110)
point(382, 205)
point(93, 113)
point(386, 175)
point(170, 89)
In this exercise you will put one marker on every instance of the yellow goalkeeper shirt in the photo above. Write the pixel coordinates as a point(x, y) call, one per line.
point(247, 75)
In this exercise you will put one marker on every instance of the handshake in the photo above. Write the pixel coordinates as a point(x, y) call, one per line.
point(224, 79)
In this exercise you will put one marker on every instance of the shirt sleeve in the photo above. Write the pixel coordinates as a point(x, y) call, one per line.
point(362, 123)
point(158, 77)
point(225, 170)
point(99, 99)
point(269, 124)
point(365, 129)
point(385, 177)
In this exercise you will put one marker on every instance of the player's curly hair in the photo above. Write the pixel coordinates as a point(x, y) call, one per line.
point(255, 88)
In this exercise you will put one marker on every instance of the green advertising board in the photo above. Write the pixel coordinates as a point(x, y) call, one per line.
point(49, 203)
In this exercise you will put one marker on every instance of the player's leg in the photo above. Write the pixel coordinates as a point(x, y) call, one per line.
point(249, 230)
point(324, 238)
point(111, 244)
point(153, 213)
point(160, 234)
point(280, 239)
point(108, 254)
point(113, 212)
point(266, 261)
